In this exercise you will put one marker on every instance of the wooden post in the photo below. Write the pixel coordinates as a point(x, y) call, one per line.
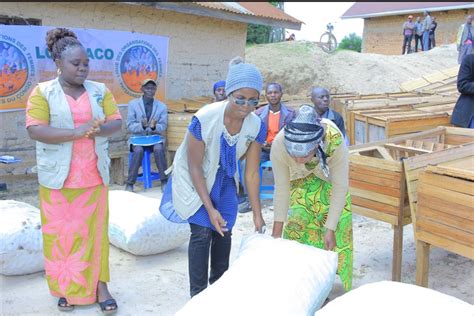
point(422, 263)
point(397, 252)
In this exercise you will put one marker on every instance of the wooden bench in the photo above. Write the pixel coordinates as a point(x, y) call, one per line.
point(118, 166)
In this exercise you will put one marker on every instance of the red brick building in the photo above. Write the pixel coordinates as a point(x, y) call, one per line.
point(383, 22)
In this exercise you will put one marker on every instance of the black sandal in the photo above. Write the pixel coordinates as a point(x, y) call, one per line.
point(111, 303)
point(64, 306)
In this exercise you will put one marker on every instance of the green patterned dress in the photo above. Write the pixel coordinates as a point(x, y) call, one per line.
point(309, 206)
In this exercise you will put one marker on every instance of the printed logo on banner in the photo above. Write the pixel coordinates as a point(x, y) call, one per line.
point(138, 60)
point(16, 69)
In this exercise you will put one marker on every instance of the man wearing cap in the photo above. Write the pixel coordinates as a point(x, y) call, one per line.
point(147, 116)
point(408, 28)
point(219, 91)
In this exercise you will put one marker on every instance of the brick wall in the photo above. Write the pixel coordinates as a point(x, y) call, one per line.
point(383, 35)
point(199, 51)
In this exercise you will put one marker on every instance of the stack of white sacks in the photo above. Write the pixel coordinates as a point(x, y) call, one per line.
point(21, 246)
point(137, 226)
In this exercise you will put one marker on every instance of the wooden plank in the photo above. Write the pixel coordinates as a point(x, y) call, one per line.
point(377, 172)
point(375, 179)
point(461, 199)
point(454, 172)
point(376, 163)
point(407, 149)
point(444, 243)
point(447, 182)
point(438, 157)
point(374, 188)
point(387, 218)
point(446, 218)
point(422, 262)
point(375, 196)
point(456, 235)
point(373, 205)
point(441, 205)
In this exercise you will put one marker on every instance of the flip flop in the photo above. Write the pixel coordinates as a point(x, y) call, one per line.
point(108, 303)
point(64, 306)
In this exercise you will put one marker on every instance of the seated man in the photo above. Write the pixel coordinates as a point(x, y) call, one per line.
point(147, 116)
point(219, 91)
point(275, 115)
point(321, 100)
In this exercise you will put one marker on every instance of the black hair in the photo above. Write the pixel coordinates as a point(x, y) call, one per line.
point(274, 84)
point(59, 40)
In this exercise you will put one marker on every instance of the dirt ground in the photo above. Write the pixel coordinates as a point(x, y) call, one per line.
point(159, 284)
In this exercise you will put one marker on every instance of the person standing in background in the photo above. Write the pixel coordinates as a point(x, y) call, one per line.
point(465, 41)
point(426, 30)
point(434, 25)
point(418, 33)
point(463, 113)
point(408, 31)
point(219, 91)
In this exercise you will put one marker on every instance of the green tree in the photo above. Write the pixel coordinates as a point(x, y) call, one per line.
point(351, 42)
point(259, 34)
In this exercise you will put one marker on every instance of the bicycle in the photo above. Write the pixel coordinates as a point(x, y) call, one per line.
point(328, 41)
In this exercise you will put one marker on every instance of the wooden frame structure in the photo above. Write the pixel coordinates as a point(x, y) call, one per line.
point(445, 212)
point(377, 177)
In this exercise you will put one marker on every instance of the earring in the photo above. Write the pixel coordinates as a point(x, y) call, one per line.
point(59, 72)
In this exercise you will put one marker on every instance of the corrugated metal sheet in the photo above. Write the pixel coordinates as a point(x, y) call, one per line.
point(368, 9)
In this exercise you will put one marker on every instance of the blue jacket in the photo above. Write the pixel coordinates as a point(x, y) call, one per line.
point(136, 112)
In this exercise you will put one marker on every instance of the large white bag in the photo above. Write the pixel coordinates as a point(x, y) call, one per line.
point(394, 299)
point(137, 226)
point(269, 277)
point(21, 242)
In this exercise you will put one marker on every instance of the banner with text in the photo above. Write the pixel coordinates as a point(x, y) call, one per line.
point(120, 60)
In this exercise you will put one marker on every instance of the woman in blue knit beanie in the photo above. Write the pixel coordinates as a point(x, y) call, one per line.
point(202, 189)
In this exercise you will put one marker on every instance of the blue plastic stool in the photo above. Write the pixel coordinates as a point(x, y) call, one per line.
point(266, 191)
point(268, 194)
point(147, 176)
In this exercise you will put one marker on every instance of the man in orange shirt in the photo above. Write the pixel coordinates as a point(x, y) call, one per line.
point(275, 115)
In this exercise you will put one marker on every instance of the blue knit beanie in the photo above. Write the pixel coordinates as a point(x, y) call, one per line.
point(242, 75)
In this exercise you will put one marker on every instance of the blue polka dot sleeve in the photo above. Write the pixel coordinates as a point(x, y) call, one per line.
point(262, 134)
point(195, 128)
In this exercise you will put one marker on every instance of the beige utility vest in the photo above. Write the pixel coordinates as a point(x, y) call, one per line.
point(54, 160)
point(186, 200)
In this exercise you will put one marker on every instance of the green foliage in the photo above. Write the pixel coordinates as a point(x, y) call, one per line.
point(259, 34)
point(351, 42)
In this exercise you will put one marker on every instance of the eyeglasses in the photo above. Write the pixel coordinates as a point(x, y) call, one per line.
point(241, 102)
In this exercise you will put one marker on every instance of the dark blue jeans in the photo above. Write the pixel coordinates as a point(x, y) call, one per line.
point(202, 240)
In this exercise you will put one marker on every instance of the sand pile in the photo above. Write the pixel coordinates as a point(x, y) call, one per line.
point(299, 65)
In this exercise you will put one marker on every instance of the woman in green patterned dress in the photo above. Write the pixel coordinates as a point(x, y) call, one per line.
point(311, 171)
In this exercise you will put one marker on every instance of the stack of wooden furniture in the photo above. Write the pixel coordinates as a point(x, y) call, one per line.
point(445, 210)
point(384, 175)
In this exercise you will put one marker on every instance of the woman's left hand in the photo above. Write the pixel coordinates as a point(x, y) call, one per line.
point(259, 222)
point(330, 240)
point(92, 132)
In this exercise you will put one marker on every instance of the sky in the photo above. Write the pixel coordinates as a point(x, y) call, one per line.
point(316, 15)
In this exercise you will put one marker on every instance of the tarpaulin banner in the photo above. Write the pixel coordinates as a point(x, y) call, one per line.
point(120, 60)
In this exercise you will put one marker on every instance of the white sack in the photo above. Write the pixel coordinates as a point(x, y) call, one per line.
point(269, 277)
point(21, 242)
point(137, 226)
point(389, 298)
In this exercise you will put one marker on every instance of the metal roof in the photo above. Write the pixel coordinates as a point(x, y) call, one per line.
point(377, 9)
